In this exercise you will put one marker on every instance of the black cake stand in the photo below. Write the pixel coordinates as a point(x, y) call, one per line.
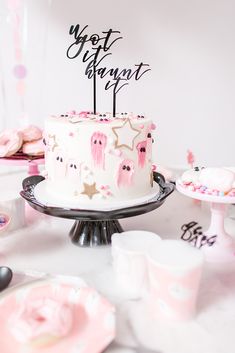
point(93, 227)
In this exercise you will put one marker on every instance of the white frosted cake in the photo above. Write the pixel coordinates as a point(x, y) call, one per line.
point(98, 157)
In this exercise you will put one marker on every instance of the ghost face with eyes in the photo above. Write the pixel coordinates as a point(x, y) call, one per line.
point(98, 145)
point(73, 171)
point(60, 165)
point(150, 141)
point(142, 149)
point(125, 173)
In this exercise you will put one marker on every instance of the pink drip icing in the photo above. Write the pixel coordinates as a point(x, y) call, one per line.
point(98, 144)
point(125, 173)
point(142, 149)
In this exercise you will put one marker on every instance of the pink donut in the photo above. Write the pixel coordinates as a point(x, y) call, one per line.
point(10, 142)
point(31, 133)
point(34, 148)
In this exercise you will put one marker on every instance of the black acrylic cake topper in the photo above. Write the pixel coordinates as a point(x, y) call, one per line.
point(95, 56)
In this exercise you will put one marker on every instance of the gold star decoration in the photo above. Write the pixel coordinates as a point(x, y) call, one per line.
point(52, 144)
point(90, 190)
point(126, 135)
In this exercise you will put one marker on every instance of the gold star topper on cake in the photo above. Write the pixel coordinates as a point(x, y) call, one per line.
point(126, 135)
point(90, 190)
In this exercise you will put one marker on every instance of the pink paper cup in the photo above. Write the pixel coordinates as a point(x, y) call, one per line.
point(174, 269)
point(129, 253)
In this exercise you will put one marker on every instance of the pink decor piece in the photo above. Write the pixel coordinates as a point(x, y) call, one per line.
point(125, 173)
point(129, 250)
point(142, 149)
point(21, 88)
point(190, 158)
point(98, 145)
point(55, 316)
point(174, 273)
point(20, 71)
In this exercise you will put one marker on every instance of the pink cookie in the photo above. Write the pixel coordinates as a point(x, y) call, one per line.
point(31, 133)
point(34, 148)
point(10, 142)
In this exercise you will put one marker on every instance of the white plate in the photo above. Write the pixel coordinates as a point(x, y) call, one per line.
point(93, 326)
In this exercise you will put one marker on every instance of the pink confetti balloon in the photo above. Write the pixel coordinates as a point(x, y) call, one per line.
point(20, 71)
point(13, 4)
point(20, 87)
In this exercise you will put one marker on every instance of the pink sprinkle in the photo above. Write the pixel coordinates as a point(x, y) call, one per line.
point(154, 167)
point(104, 187)
point(141, 126)
point(118, 152)
point(72, 112)
point(71, 134)
point(191, 188)
point(153, 126)
point(108, 193)
point(83, 114)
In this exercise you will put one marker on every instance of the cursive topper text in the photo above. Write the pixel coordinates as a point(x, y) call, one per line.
point(99, 49)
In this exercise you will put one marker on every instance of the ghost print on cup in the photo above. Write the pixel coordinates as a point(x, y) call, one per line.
point(98, 145)
point(125, 173)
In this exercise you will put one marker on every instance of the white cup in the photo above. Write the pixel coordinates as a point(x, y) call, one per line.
point(174, 277)
point(129, 252)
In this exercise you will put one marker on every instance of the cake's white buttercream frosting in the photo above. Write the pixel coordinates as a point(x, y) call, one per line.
point(98, 157)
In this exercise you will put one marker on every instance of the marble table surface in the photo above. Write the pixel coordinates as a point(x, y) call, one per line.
point(43, 245)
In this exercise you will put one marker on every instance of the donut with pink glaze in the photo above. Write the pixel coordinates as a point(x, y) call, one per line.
point(10, 142)
point(34, 148)
point(31, 133)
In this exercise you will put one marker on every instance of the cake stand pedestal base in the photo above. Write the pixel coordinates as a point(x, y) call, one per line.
point(223, 250)
point(93, 233)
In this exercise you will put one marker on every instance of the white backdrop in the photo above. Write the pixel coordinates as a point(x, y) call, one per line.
point(189, 93)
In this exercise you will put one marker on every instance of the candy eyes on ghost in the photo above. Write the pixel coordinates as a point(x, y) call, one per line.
point(126, 167)
point(97, 141)
point(60, 159)
point(142, 149)
point(73, 166)
point(197, 169)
